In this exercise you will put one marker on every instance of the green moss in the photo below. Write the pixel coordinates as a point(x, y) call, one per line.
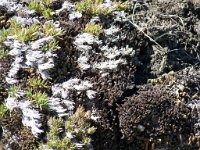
point(40, 99)
point(15, 28)
point(37, 83)
point(52, 45)
point(35, 6)
point(91, 7)
point(3, 109)
point(28, 33)
point(78, 126)
point(42, 7)
point(3, 53)
point(121, 5)
point(24, 34)
point(94, 29)
point(12, 91)
point(49, 29)
point(48, 13)
point(46, 2)
point(55, 141)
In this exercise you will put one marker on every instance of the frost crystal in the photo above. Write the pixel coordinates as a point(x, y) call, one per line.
point(112, 30)
point(109, 65)
point(11, 103)
point(31, 117)
point(65, 6)
point(60, 101)
point(37, 44)
point(75, 14)
point(83, 38)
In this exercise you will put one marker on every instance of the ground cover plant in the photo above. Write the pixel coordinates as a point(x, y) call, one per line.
point(99, 75)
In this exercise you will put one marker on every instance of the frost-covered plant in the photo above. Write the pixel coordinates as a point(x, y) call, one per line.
point(3, 109)
point(49, 29)
point(12, 91)
point(28, 33)
point(3, 34)
point(77, 131)
point(40, 99)
point(91, 7)
point(33, 5)
point(121, 5)
point(37, 83)
point(24, 34)
point(42, 8)
point(54, 141)
point(93, 28)
point(48, 13)
point(79, 126)
point(15, 27)
point(51, 45)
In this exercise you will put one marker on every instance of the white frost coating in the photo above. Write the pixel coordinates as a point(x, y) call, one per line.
point(69, 104)
point(113, 52)
point(38, 43)
point(16, 51)
point(74, 14)
point(112, 30)
point(16, 48)
point(83, 38)
point(55, 104)
point(11, 103)
point(11, 80)
point(82, 62)
point(31, 117)
point(26, 21)
point(70, 83)
point(60, 101)
point(65, 6)
point(196, 104)
point(15, 67)
point(109, 65)
point(43, 62)
point(32, 57)
point(84, 85)
point(91, 94)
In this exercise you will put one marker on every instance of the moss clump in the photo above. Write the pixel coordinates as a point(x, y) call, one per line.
point(3, 109)
point(3, 53)
point(49, 29)
point(94, 29)
point(121, 5)
point(74, 132)
point(40, 99)
point(12, 91)
point(37, 83)
point(91, 7)
point(52, 45)
point(28, 33)
point(153, 114)
point(42, 8)
point(24, 34)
